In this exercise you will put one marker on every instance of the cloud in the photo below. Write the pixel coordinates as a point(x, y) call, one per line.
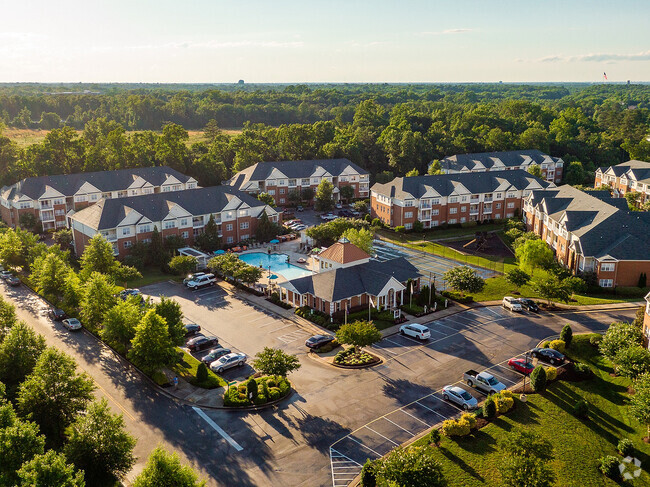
point(598, 58)
point(224, 45)
point(444, 32)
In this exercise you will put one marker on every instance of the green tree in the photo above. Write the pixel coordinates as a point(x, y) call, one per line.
point(49, 273)
point(294, 196)
point(97, 257)
point(19, 443)
point(12, 249)
point(120, 322)
point(267, 199)
point(183, 264)
point(551, 289)
point(639, 404)
point(534, 254)
point(172, 313)
point(362, 238)
point(517, 277)
point(411, 467)
point(7, 317)
point(19, 352)
point(359, 334)
point(633, 200)
point(307, 194)
point(63, 238)
point(152, 348)
point(574, 173)
point(73, 290)
point(323, 199)
point(98, 298)
point(435, 168)
point(30, 222)
point(566, 335)
point(126, 273)
point(50, 469)
point(248, 274)
point(164, 469)
point(209, 239)
point(266, 230)
point(538, 379)
point(464, 279)
point(618, 337)
point(99, 444)
point(49, 121)
point(251, 389)
point(273, 361)
point(574, 284)
point(632, 361)
point(171, 148)
point(346, 192)
point(412, 173)
point(535, 170)
point(157, 255)
point(523, 238)
point(53, 394)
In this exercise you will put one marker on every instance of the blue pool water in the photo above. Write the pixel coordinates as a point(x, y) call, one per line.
point(278, 263)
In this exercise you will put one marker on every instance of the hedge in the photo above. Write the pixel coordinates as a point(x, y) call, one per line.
point(269, 388)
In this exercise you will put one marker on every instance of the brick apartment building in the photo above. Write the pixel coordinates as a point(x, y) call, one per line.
point(592, 232)
point(552, 167)
point(626, 177)
point(52, 198)
point(125, 221)
point(452, 198)
point(279, 179)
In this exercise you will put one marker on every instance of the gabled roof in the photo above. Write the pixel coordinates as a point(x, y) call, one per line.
point(347, 282)
point(473, 161)
point(295, 170)
point(446, 184)
point(108, 213)
point(343, 253)
point(105, 181)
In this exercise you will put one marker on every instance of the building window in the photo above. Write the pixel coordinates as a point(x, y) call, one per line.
point(59, 212)
point(408, 226)
point(185, 234)
point(408, 203)
point(245, 236)
point(408, 214)
point(606, 283)
point(24, 205)
point(126, 231)
point(453, 199)
point(510, 215)
point(281, 190)
point(435, 212)
point(511, 195)
point(58, 202)
point(228, 227)
point(144, 228)
point(498, 206)
point(184, 222)
point(463, 219)
point(453, 211)
point(147, 191)
point(499, 195)
point(80, 199)
point(435, 201)
point(166, 189)
point(452, 221)
point(511, 205)
point(463, 209)
point(146, 240)
point(463, 199)
point(434, 223)
point(169, 224)
point(243, 225)
point(282, 200)
point(191, 185)
point(272, 192)
point(607, 266)
point(229, 240)
point(304, 182)
point(127, 244)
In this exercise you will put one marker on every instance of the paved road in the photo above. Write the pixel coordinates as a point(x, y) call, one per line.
point(290, 445)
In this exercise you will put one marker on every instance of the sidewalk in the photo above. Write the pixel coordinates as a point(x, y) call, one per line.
point(566, 307)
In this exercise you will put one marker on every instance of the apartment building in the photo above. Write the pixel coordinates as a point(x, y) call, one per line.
point(591, 232)
point(452, 198)
point(279, 179)
point(505, 161)
point(52, 198)
point(126, 221)
point(626, 177)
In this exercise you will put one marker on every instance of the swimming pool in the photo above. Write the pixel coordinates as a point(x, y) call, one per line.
point(278, 263)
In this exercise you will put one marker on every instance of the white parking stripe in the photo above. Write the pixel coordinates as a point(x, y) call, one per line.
point(364, 446)
point(412, 434)
point(434, 412)
point(217, 428)
point(448, 327)
point(414, 417)
point(502, 377)
point(385, 349)
point(379, 434)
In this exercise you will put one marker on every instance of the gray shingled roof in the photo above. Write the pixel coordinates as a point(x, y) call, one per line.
point(508, 158)
point(347, 282)
point(69, 184)
point(478, 182)
point(108, 213)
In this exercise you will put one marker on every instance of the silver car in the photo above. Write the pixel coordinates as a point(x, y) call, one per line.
point(228, 361)
point(460, 397)
point(72, 324)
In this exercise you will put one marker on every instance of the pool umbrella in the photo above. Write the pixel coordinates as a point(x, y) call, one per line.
point(275, 241)
point(219, 252)
point(273, 276)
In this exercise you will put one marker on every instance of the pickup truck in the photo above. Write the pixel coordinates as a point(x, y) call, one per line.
point(483, 381)
point(201, 281)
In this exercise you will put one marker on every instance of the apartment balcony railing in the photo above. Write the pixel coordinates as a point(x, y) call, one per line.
point(487, 200)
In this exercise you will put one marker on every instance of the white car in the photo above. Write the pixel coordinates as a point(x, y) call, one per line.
point(300, 227)
point(512, 304)
point(228, 361)
point(459, 396)
point(193, 277)
point(415, 330)
point(202, 281)
point(72, 324)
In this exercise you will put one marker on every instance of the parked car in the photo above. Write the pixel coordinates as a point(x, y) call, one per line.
point(126, 293)
point(72, 324)
point(483, 381)
point(191, 277)
point(300, 208)
point(56, 314)
point(318, 341)
point(299, 227)
point(549, 355)
point(338, 206)
point(529, 304)
point(5, 274)
point(202, 281)
point(521, 365)
point(13, 281)
point(191, 329)
point(512, 304)
point(415, 330)
point(459, 396)
point(227, 362)
point(215, 354)
point(199, 343)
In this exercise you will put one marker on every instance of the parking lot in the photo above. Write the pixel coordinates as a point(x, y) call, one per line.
point(425, 262)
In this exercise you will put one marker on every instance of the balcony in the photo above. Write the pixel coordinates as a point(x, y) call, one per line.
point(47, 216)
point(487, 200)
point(110, 237)
point(425, 205)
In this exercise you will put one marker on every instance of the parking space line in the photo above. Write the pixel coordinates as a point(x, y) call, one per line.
point(403, 429)
point(217, 428)
point(379, 434)
point(433, 411)
point(364, 446)
point(199, 293)
point(281, 328)
point(260, 318)
point(502, 377)
point(414, 417)
point(449, 327)
point(383, 348)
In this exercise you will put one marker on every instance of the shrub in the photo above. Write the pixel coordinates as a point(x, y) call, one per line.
point(368, 474)
point(234, 398)
point(551, 373)
point(456, 296)
point(538, 379)
point(251, 389)
point(284, 386)
point(241, 388)
point(595, 340)
point(260, 399)
point(546, 344)
point(159, 378)
point(434, 436)
point(201, 373)
point(470, 418)
point(566, 335)
point(271, 382)
point(608, 466)
point(503, 403)
point(625, 447)
point(489, 408)
point(582, 370)
point(451, 427)
point(581, 409)
point(274, 393)
point(558, 345)
point(400, 229)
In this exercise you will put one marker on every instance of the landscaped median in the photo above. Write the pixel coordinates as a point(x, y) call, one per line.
point(355, 335)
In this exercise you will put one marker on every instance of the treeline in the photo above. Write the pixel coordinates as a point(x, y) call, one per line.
point(387, 130)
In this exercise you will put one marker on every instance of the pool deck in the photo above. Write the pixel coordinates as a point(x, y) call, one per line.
point(291, 249)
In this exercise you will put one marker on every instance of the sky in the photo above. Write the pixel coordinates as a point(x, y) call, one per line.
point(281, 41)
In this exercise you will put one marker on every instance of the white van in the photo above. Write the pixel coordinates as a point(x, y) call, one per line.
point(512, 304)
point(202, 281)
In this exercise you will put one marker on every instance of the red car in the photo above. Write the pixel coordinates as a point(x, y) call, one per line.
point(520, 365)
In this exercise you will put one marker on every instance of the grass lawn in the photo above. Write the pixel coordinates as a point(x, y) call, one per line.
point(152, 275)
point(439, 234)
point(186, 368)
point(577, 443)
